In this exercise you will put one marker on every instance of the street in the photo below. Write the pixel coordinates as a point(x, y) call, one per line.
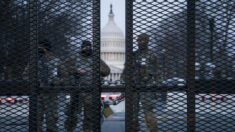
point(212, 115)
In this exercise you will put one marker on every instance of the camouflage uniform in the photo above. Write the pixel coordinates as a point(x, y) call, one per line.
point(47, 103)
point(146, 74)
point(82, 100)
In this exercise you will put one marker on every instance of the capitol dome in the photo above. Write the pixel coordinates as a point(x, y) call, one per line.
point(113, 47)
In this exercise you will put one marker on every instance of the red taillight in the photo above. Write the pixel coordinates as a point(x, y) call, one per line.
point(113, 96)
point(103, 97)
point(1, 100)
point(11, 100)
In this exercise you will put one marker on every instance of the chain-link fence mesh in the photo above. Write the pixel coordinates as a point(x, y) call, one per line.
point(50, 77)
point(179, 72)
point(15, 53)
point(180, 61)
point(215, 43)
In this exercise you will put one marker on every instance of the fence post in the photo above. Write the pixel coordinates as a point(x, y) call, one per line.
point(33, 26)
point(128, 74)
point(96, 91)
point(191, 120)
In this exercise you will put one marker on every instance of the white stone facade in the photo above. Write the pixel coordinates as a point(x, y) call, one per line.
point(113, 48)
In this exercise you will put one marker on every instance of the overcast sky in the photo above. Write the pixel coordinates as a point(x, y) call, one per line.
point(118, 10)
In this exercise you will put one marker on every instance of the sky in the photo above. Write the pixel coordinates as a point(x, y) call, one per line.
point(118, 10)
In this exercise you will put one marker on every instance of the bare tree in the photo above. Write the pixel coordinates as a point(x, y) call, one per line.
point(14, 33)
point(214, 36)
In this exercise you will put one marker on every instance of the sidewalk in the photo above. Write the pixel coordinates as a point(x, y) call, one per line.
point(115, 123)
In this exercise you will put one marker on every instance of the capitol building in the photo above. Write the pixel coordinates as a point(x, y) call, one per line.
point(113, 48)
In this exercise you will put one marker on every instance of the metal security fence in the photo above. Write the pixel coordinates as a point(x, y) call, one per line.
point(50, 77)
point(178, 76)
point(180, 61)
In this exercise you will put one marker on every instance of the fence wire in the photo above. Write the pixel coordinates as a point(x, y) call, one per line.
point(180, 61)
point(178, 76)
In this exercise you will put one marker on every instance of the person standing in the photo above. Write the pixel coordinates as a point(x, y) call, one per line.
point(47, 76)
point(145, 74)
point(82, 73)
